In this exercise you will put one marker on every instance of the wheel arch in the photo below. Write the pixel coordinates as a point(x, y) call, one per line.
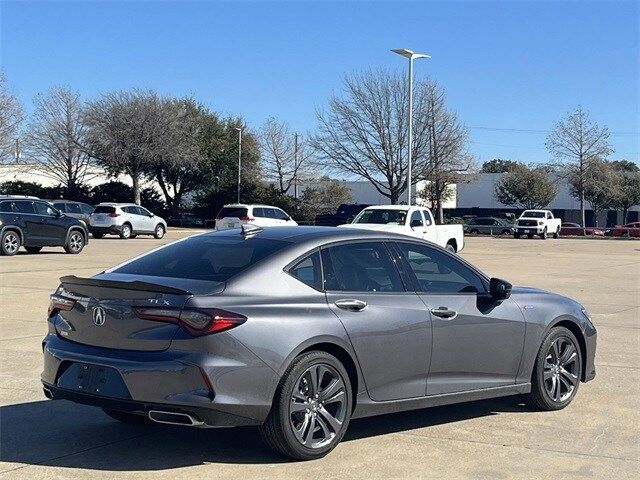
point(78, 228)
point(454, 243)
point(13, 228)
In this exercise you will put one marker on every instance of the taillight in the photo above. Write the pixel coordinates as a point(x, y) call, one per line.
point(197, 322)
point(58, 303)
point(246, 218)
point(114, 215)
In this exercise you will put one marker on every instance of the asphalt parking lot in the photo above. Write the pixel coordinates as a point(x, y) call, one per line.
point(597, 436)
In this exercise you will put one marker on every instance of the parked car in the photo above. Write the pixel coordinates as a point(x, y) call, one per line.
point(628, 230)
point(237, 214)
point(126, 220)
point(488, 226)
point(298, 330)
point(409, 220)
point(569, 228)
point(33, 223)
point(345, 214)
point(537, 222)
point(81, 211)
point(186, 219)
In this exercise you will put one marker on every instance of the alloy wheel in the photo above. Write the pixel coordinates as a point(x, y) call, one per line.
point(561, 369)
point(11, 243)
point(318, 406)
point(76, 242)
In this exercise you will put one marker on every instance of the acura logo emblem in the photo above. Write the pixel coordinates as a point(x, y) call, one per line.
point(99, 316)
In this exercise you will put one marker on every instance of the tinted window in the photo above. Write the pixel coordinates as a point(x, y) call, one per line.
point(60, 206)
point(258, 212)
point(130, 209)
point(308, 271)
point(23, 206)
point(204, 258)
point(104, 209)
point(45, 209)
point(360, 267)
point(73, 208)
point(143, 211)
point(86, 209)
point(234, 212)
point(416, 219)
point(438, 272)
point(269, 212)
point(5, 207)
point(382, 216)
point(279, 214)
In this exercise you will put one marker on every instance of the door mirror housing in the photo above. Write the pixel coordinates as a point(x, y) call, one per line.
point(499, 289)
point(286, 219)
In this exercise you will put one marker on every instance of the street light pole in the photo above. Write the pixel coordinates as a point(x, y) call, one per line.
point(239, 129)
point(411, 56)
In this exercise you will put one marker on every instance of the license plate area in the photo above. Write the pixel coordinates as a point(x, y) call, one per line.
point(92, 379)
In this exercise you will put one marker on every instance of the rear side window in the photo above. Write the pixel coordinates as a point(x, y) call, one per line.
point(73, 208)
point(360, 267)
point(308, 271)
point(212, 258)
point(104, 209)
point(234, 212)
point(6, 207)
point(270, 212)
point(23, 206)
point(258, 212)
point(86, 209)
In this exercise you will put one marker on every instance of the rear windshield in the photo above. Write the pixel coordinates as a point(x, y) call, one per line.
point(104, 209)
point(207, 257)
point(235, 212)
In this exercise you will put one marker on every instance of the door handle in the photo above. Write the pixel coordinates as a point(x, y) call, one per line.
point(351, 304)
point(444, 312)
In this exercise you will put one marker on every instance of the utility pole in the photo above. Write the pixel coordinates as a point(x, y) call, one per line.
point(295, 165)
point(239, 129)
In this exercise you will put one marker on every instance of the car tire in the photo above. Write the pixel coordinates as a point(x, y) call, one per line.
point(558, 365)
point(127, 417)
point(75, 243)
point(529, 235)
point(10, 243)
point(318, 422)
point(33, 249)
point(543, 235)
point(97, 235)
point(516, 235)
point(450, 248)
point(159, 231)
point(557, 233)
point(125, 231)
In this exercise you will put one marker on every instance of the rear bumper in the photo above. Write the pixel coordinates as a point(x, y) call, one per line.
point(230, 387)
point(113, 229)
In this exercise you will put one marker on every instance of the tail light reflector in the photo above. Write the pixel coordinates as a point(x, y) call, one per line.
point(58, 303)
point(246, 218)
point(114, 215)
point(197, 322)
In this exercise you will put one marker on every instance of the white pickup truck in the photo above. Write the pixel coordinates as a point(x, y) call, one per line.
point(537, 222)
point(409, 220)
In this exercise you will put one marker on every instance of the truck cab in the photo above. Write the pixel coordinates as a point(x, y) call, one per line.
point(537, 222)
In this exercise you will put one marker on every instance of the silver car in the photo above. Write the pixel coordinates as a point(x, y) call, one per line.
point(298, 330)
point(127, 220)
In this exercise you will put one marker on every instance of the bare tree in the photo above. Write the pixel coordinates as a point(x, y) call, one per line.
point(364, 132)
point(54, 138)
point(285, 155)
point(448, 159)
point(579, 140)
point(11, 115)
point(127, 132)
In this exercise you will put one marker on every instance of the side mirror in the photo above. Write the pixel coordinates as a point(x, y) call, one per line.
point(151, 215)
point(415, 223)
point(499, 289)
point(287, 219)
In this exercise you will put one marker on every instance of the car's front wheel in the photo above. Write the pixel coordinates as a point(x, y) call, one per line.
point(543, 235)
point(159, 232)
point(557, 371)
point(311, 408)
point(75, 243)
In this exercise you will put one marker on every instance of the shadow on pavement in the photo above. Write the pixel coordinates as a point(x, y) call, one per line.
point(60, 433)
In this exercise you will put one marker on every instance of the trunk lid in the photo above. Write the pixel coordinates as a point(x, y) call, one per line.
point(103, 314)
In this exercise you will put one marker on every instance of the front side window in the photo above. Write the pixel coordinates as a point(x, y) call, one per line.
point(382, 216)
point(437, 272)
point(416, 219)
point(280, 215)
point(60, 206)
point(360, 267)
point(143, 211)
point(45, 209)
point(308, 271)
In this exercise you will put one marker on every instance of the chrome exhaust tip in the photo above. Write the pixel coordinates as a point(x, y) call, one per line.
point(47, 393)
point(174, 418)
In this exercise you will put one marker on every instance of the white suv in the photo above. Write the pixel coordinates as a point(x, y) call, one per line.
point(126, 220)
point(235, 215)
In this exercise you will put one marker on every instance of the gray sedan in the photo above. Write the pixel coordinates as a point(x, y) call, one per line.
point(298, 330)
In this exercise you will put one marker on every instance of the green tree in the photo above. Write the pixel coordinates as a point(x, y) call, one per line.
point(626, 189)
point(498, 165)
point(525, 187)
point(326, 197)
point(597, 184)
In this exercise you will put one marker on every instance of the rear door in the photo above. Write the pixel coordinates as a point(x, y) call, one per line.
point(476, 344)
point(389, 327)
point(34, 224)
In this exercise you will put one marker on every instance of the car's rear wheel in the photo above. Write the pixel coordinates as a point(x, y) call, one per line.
point(75, 243)
point(557, 371)
point(159, 232)
point(311, 409)
point(10, 243)
point(127, 417)
point(33, 249)
point(125, 232)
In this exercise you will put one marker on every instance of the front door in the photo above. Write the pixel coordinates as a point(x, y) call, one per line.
point(476, 343)
point(389, 327)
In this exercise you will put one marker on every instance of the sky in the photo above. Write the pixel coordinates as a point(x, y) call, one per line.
point(510, 68)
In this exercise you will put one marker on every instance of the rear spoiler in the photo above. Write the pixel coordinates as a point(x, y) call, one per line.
point(135, 285)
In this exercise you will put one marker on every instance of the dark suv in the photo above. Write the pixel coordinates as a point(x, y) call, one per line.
point(34, 223)
point(73, 209)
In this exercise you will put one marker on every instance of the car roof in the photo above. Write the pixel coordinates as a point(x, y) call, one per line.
point(18, 197)
point(392, 207)
point(62, 200)
point(114, 204)
point(248, 205)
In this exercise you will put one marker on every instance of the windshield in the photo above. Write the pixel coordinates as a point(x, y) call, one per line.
point(532, 214)
point(382, 216)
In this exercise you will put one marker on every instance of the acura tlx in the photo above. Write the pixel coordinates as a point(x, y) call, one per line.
point(297, 330)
